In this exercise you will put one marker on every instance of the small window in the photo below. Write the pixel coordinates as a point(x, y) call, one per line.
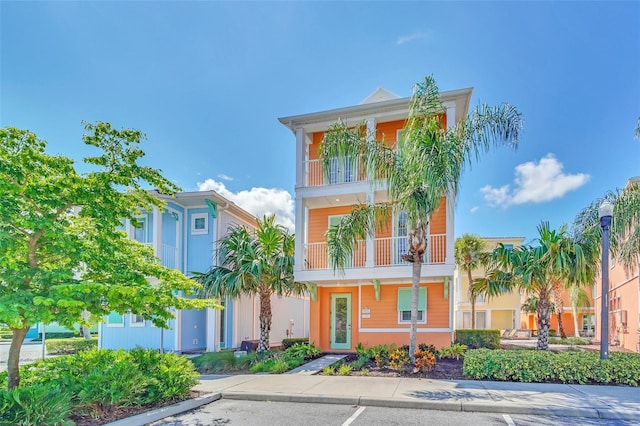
point(141, 230)
point(404, 305)
point(137, 320)
point(200, 224)
point(114, 319)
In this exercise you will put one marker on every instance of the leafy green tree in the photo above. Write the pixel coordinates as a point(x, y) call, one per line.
point(426, 167)
point(253, 263)
point(470, 253)
point(62, 250)
point(537, 269)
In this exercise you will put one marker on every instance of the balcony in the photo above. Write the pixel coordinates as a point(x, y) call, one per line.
point(387, 252)
point(168, 255)
point(341, 171)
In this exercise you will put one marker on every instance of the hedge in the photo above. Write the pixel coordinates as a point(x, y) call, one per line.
point(545, 366)
point(475, 339)
point(70, 346)
point(287, 343)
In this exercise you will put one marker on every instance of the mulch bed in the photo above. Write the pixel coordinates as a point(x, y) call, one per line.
point(445, 369)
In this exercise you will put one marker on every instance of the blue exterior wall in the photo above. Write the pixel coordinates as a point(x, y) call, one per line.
point(194, 330)
point(129, 337)
point(199, 248)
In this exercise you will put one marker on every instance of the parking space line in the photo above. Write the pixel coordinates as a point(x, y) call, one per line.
point(354, 416)
point(507, 418)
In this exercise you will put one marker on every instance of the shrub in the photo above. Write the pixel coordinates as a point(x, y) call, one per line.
point(569, 341)
point(223, 361)
point(364, 371)
point(43, 405)
point(279, 362)
point(329, 370)
point(545, 366)
point(307, 351)
point(456, 350)
point(344, 370)
point(357, 364)
point(425, 360)
point(475, 339)
point(380, 352)
point(398, 358)
point(287, 343)
point(70, 346)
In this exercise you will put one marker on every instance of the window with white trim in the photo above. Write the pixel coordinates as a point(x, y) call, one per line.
point(404, 305)
point(199, 223)
point(115, 319)
point(136, 320)
point(141, 230)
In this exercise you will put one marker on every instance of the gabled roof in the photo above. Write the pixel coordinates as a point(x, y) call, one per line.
point(379, 95)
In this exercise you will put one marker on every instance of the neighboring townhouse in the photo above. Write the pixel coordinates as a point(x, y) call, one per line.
point(501, 312)
point(371, 302)
point(624, 301)
point(183, 237)
point(585, 315)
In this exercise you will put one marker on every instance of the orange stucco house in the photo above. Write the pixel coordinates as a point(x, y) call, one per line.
point(370, 302)
point(624, 301)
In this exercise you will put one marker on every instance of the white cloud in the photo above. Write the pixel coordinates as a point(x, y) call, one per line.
point(412, 37)
point(535, 183)
point(224, 177)
point(474, 209)
point(257, 201)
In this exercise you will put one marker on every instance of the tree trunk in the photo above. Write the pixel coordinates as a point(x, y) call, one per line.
point(84, 330)
point(472, 299)
point(417, 246)
point(415, 294)
point(557, 296)
point(13, 362)
point(574, 312)
point(544, 312)
point(265, 320)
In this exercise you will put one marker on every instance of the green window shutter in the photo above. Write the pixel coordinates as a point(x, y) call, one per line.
point(404, 299)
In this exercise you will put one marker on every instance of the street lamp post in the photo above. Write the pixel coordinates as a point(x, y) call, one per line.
point(605, 212)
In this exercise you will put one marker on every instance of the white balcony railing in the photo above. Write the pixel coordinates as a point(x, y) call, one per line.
point(387, 252)
point(168, 255)
point(341, 171)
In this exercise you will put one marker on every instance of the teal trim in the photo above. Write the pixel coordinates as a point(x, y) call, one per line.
point(341, 321)
point(404, 299)
point(213, 208)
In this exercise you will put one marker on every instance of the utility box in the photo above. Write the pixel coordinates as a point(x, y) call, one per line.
point(249, 345)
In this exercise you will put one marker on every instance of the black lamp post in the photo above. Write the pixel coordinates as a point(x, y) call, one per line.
point(605, 212)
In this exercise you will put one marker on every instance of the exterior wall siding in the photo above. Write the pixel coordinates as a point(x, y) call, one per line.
point(128, 337)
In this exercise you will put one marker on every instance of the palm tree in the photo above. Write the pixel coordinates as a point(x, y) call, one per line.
point(470, 253)
point(425, 167)
point(536, 270)
point(253, 263)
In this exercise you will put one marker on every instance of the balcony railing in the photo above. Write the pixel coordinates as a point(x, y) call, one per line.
point(168, 255)
point(387, 252)
point(341, 171)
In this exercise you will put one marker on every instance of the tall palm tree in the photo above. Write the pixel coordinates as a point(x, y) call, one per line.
point(253, 263)
point(425, 167)
point(579, 299)
point(470, 253)
point(537, 269)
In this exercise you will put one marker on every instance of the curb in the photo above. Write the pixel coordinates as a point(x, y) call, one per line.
point(161, 413)
point(285, 397)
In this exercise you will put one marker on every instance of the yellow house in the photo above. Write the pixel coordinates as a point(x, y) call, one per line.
point(501, 312)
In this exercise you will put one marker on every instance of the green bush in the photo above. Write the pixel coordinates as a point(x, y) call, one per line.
point(287, 343)
point(456, 350)
point(569, 341)
point(546, 366)
point(58, 335)
point(42, 405)
point(223, 361)
point(279, 362)
point(99, 381)
point(475, 339)
point(70, 346)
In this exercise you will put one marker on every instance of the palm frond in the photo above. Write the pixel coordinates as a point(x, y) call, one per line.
point(343, 238)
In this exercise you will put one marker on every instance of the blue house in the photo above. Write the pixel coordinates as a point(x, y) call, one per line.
point(183, 237)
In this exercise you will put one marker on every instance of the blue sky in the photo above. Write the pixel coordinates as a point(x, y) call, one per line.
point(206, 82)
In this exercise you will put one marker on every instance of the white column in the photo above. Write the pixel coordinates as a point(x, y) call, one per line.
point(301, 166)
point(451, 122)
point(451, 114)
point(212, 331)
point(157, 232)
point(370, 242)
point(301, 230)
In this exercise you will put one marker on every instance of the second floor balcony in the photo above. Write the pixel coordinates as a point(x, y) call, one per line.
point(386, 252)
point(341, 171)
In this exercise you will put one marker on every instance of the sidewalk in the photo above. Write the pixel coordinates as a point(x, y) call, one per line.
point(607, 402)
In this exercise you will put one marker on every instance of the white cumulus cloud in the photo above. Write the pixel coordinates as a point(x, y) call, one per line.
point(257, 201)
point(535, 183)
